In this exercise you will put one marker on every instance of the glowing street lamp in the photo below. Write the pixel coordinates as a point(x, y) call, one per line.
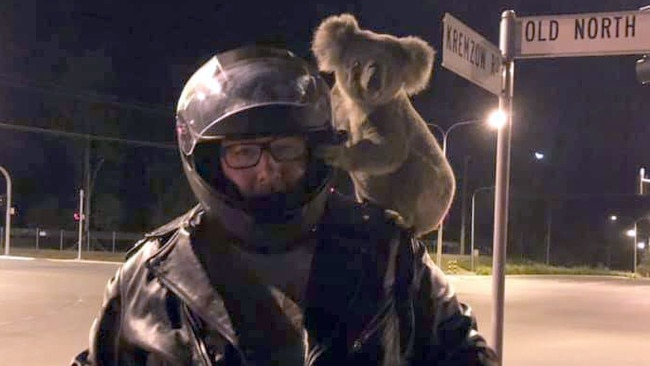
point(539, 155)
point(497, 119)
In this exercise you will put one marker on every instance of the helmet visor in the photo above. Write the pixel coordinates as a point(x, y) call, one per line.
point(263, 95)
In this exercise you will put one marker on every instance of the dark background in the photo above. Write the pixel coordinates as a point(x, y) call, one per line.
point(116, 68)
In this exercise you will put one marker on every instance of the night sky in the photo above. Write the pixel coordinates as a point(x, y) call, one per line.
point(588, 115)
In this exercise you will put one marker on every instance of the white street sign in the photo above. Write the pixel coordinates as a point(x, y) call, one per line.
point(470, 55)
point(594, 34)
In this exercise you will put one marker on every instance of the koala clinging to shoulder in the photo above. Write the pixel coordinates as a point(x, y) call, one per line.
point(391, 155)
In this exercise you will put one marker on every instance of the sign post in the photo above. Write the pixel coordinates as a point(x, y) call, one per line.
point(501, 183)
point(469, 55)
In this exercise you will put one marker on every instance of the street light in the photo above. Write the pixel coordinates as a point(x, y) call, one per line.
point(634, 234)
point(473, 221)
point(496, 119)
point(539, 156)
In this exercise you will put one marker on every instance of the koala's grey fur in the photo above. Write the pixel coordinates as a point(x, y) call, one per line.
point(391, 156)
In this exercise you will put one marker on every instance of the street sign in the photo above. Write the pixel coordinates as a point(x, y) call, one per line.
point(470, 55)
point(589, 34)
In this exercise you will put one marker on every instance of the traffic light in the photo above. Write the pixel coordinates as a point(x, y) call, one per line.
point(643, 69)
point(77, 216)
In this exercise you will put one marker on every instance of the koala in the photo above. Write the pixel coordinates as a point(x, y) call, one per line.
point(391, 155)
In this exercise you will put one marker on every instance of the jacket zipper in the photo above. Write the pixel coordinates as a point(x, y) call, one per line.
point(200, 344)
point(372, 327)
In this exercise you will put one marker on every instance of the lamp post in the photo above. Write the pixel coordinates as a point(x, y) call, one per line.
point(539, 156)
point(634, 234)
point(7, 211)
point(472, 235)
point(445, 134)
point(636, 241)
point(642, 180)
point(496, 120)
point(91, 185)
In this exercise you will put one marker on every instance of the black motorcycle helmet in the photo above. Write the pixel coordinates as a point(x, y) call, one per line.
point(253, 92)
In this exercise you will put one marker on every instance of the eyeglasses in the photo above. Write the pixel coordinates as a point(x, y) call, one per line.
point(246, 155)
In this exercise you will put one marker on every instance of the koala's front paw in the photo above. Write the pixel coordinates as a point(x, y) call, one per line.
point(333, 155)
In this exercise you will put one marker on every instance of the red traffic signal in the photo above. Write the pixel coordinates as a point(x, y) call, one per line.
point(78, 217)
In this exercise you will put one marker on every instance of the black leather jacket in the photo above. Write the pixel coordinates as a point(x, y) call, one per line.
point(374, 297)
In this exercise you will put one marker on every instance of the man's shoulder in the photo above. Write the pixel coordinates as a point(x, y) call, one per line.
point(154, 239)
point(345, 211)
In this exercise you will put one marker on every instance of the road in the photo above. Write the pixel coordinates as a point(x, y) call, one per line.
point(46, 309)
point(566, 320)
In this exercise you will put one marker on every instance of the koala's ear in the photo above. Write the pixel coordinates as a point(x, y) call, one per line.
point(331, 38)
point(419, 64)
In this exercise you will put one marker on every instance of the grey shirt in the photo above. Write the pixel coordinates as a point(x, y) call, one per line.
point(264, 295)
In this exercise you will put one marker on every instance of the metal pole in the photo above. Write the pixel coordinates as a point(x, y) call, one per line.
point(642, 180)
point(473, 223)
point(7, 211)
point(91, 189)
point(472, 231)
point(61, 240)
point(38, 234)
point(636, 235)
point(442, 221)
point(88, 191)
point(549, 217)
point(463, 205)
point(641, 176)
point(502, 177)
point(113, 241)
point(81, 223)
point(444, 153)
point(445, 134)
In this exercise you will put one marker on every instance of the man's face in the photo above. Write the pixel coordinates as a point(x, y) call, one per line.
point(265, 165)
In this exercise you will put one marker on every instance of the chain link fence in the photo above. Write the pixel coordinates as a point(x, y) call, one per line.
point(66, 240)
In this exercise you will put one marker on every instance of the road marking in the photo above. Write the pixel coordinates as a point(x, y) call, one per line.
point(16, 258)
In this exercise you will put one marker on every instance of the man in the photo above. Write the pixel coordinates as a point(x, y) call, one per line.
point(273, 267)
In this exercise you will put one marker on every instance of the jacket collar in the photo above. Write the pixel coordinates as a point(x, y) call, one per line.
point(177, 266)
point(329, 297)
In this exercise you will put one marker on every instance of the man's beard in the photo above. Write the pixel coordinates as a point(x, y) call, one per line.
point(275, 208)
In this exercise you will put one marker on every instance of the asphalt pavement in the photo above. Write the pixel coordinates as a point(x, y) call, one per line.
point(566, 320)
point(47, 307)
